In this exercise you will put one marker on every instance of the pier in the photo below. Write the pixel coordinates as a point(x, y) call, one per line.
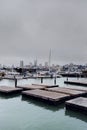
point(71, 92)
point(77, 104)
point(49, 97)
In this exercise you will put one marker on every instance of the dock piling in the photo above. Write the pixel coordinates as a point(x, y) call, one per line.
point(55, 81)
point(41, 79)
point(15, 81)
point(67, 78)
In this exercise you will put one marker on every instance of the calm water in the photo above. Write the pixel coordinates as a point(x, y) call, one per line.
point(17, 113)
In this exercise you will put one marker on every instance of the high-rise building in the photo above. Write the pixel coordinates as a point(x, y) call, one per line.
point(35, 63)
point(30, 64)
point(21, 64)
point(0, 66)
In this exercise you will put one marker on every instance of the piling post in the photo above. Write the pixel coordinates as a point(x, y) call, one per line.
point(67, 78)
point(55, 76)
point(41, 79)
point(15, 81)
point(55, 81)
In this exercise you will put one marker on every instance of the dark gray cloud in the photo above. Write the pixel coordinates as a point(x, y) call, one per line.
point(30, 28)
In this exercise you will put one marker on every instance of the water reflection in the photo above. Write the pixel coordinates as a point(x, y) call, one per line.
point(6, 96)
point(76, 115)
point(43, 104)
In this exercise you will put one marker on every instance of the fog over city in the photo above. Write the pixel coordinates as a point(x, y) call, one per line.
point(30, 28)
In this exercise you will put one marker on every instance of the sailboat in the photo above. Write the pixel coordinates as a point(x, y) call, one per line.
point(49, 61)
point(52, 74)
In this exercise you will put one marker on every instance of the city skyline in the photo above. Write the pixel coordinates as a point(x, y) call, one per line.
point(29, 29)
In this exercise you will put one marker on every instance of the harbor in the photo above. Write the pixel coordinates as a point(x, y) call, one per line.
point(43, 65)
point(41, 102)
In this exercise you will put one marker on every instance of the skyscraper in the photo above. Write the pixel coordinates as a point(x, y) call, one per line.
point(21, 64)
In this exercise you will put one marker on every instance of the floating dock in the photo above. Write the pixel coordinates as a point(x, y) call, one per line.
point(77, 104)
point(50, 97)
point(46, 85)
point(71, 92)
point(31, 87)
point(9, 90)
point(80, 83)
point(77, 88)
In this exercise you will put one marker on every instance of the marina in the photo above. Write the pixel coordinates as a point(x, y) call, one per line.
point(43, 65)
point(34, 113)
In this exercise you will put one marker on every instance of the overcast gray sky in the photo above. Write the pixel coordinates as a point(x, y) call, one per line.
point(30, 28)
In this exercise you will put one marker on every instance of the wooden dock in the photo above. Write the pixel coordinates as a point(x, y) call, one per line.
point(71, 92)
point(78, 88)
point(80, 83)
point(31, 87)
point(77, 104)
point(9, 90)
point(49, 97)
point(46, 85)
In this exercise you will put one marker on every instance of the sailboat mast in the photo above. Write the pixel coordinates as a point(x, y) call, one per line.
point(49, 59)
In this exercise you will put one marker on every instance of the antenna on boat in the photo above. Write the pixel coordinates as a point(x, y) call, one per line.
point(49, 59)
